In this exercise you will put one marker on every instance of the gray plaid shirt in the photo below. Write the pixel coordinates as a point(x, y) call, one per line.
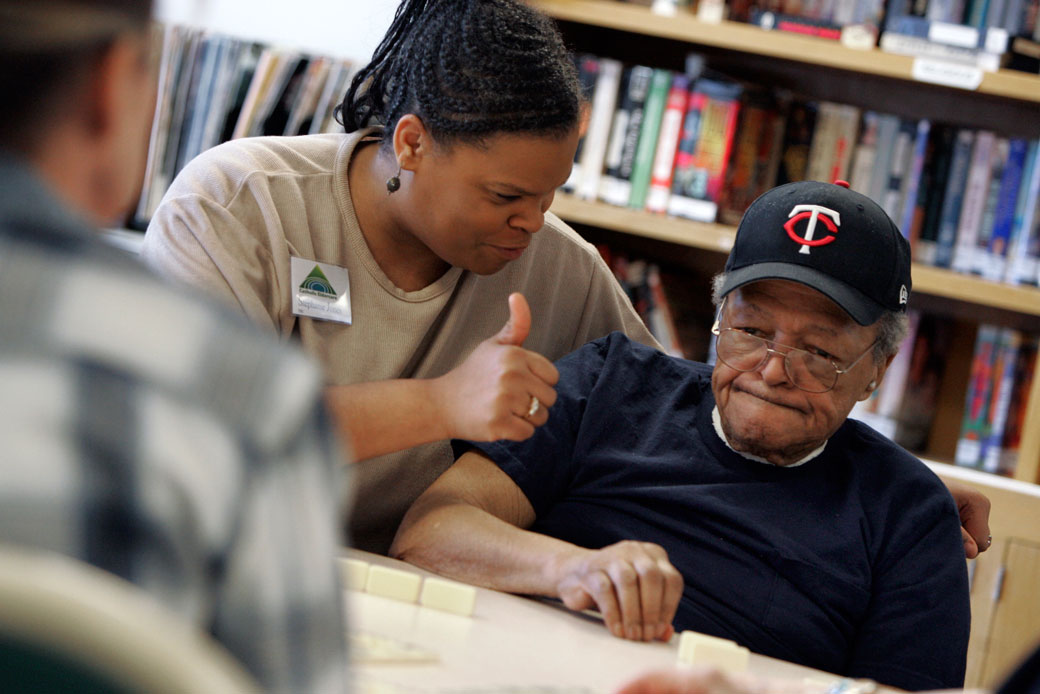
point(152, 435)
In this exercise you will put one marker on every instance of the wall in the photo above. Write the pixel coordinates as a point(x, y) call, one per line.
point(337, 28)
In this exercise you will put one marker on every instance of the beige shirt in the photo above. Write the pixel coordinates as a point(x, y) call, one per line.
point(236, 214)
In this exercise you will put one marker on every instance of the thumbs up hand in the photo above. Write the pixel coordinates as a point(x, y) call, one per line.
point(491, 395)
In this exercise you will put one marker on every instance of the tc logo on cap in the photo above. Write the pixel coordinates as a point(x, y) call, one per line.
point(814, 213)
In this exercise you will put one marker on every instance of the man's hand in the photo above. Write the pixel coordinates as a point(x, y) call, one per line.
point(973, 507)
point(488, 396)
point(632, 584)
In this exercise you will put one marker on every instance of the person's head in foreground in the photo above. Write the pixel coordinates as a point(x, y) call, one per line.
point(79, 91)
point(812, 308)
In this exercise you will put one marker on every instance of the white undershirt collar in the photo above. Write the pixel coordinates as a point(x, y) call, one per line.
point(716, 421)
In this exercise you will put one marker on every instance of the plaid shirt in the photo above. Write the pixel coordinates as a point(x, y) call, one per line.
point(150, 434)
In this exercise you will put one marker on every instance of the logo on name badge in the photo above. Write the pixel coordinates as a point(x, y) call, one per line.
point(318, 284)
point(815, 215)
point(904, 295)
point(320, 290)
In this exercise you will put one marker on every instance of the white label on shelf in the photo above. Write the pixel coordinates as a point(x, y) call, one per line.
point(947, 74)
point(953, 34)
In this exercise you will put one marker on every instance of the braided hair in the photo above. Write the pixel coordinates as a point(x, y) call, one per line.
point(469, 69)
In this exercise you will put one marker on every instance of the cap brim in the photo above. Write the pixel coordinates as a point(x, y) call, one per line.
point(862, 309)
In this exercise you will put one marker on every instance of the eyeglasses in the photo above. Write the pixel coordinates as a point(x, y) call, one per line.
point(742, 351)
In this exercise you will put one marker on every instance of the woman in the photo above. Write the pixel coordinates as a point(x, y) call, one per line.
point(391, 252)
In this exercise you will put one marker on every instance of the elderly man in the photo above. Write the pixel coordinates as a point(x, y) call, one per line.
point(737, 500)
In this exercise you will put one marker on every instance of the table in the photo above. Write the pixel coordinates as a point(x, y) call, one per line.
point(510, 644)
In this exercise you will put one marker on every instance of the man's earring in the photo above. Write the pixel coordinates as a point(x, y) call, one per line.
point(393, 184)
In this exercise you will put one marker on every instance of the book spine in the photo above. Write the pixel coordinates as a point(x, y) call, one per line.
point(936, 175)
point(794, 154)
point(974, 202)
point(619, 186)
point(1004, 212)
point(898, 164)
point(953, 198)
point(647, 147)
point(1025, 368)
point(604, 101)
point(1022, 259)
point(822, 146)
point(913, 178)
point(806, 26)
point(976, 405)
point(667, 143)
point(998, 162)
point(616, 143)
point(888, 129)
point(749, 151)
point(718, 120)
point(863, 157)
point(1000, 399)
point(588, 72)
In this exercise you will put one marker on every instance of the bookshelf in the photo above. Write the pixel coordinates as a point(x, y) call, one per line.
point(1005, 101)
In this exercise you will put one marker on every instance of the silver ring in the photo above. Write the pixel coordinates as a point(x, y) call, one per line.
point(532, 410)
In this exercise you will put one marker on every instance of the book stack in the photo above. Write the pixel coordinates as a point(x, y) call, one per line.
point(903, 407)
point(213, 88)
point(979, 33)
point(676, 312)
point(659, 140)
point(994, 410)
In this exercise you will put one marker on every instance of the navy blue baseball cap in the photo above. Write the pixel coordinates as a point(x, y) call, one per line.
point(827, 237)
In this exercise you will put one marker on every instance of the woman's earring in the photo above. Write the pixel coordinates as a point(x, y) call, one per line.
point(393, 184)
point(873, 385)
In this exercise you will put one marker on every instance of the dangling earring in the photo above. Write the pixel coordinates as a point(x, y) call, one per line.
point(393, 184)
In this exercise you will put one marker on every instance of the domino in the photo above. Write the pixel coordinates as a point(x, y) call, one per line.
point(393, 583)
point(701, 649)
point(354, 573)
point(449, 596)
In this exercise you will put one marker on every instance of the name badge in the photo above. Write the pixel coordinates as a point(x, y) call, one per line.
point(320, 290)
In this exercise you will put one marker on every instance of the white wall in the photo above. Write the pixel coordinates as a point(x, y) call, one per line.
point(337, 28)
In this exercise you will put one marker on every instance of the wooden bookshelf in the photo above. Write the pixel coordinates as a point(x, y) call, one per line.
point(719, 237)
point(752, 40)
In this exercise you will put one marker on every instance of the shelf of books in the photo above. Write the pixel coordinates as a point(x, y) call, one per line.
point(753, 40)
point(675, 154)
point(719, 237)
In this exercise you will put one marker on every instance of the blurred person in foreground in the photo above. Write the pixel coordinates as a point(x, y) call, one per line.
point(144, 431)
point(737, 500)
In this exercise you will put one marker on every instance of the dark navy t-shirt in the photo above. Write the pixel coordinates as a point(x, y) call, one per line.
point(851, 563)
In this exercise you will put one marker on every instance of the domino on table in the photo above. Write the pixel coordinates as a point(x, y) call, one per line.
point(701, 649)
point(354, 573)
point(450, 596)
point(393, 583)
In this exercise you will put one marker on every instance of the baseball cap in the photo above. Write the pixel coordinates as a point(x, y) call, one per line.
point(827, 237)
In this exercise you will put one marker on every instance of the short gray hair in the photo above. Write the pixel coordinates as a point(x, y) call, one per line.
point(892, 326)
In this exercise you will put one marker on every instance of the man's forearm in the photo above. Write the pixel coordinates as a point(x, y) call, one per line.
point(385, 416)
point(462, 541)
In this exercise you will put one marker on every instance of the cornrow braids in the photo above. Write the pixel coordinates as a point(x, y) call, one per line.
point(468, 69)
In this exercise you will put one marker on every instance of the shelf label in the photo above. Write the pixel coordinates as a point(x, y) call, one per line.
point(947, 74)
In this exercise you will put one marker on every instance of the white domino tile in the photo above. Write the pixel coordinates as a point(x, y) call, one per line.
point(449, 596)
point(701, 649)
point(393, 583)
point(354, 573)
